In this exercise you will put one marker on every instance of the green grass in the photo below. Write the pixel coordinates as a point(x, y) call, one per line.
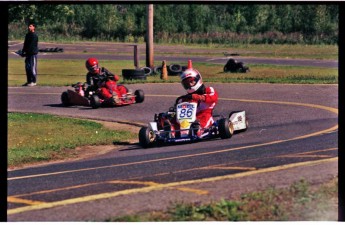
point(39, 137)
point(67, 72)
point(298, 51)
point(299, 202)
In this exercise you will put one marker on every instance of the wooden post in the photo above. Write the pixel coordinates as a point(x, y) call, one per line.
point(149, 37)
point(136, 57)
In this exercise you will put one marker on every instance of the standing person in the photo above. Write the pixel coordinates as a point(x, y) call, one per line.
point(30, 50)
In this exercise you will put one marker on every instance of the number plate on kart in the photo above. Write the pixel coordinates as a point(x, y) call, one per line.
point(186, 111)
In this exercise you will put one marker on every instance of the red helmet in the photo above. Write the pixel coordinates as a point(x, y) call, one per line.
point(92, 65)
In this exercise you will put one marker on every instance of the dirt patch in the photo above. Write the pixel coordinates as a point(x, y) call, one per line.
point(119, 126)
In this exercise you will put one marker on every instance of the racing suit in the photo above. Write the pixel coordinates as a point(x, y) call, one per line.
point(206, 102)
point(105, 84)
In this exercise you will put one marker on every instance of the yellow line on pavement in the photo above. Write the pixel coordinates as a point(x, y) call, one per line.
point(148, 183)
point(304, 156)
point(231, 168)
point(23, 201)
point(162, 186)
point(322, 150)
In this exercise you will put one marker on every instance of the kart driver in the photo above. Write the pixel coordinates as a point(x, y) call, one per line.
point(206, 97)
point(103, 81)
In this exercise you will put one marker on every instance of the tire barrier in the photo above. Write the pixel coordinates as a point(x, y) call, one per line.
point(51, 49)
point(157, 70)
point(133, 74)
point(235, 67)
point(147, 70)
point(174, 69)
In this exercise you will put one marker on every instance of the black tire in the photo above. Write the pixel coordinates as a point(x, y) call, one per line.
point(65, 99)
point(133, 74)
point(95, 102)
point(194, 127)
point(174, 69)
point(184, 68)
point(146, 137)
point(139, 96)
point(225, 128)
point(147, 70)
point(157, 70)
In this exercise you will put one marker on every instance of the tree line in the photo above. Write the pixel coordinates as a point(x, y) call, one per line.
point(181, 23)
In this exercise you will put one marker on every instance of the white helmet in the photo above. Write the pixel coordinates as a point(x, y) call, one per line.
point(191, 80)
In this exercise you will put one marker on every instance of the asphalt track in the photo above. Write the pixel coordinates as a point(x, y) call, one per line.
point(294, 129)
point(293, 135)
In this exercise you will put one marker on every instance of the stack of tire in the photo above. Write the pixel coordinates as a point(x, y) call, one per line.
point(134, 74)
point(173, 69)
point(51, 49)
point(143, 72)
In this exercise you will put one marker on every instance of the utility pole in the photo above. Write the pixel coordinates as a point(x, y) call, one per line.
point(149, 37)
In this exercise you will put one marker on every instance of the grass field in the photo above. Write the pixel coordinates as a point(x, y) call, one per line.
point(34, 138)
point(66, 72)
point(52, 73)
point(298, 202)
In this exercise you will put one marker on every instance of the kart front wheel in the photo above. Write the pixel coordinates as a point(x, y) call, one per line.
point(139, 96)
point(225, 128)
point(95, 102)
point(65, 99)
point(146, 137)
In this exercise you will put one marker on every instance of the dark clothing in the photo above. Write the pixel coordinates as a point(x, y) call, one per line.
point(31, 68)
point(30, 44)
point(94, 79)
point(30, 50)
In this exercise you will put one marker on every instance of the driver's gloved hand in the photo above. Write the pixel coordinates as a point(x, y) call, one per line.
point(197, 97)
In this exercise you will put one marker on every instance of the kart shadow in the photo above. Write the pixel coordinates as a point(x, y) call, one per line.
point(136, 146)
point(130, 146)
point(72, 106)
point(55, 105)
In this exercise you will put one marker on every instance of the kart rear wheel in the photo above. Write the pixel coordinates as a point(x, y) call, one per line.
point(65, 99)
point(139, 96)
point(95, 102)
point(146, 137)
point(225, 128)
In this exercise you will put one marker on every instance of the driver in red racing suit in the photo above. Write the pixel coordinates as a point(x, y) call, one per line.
point(206, 97)
point(103, 81)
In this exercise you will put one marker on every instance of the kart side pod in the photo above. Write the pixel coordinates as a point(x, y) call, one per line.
point(239, 120)
point(153, 126)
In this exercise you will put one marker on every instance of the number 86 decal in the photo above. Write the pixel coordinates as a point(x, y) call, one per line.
point(186, 113)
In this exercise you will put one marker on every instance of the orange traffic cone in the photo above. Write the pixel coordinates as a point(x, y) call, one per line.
point(164, 73)
point(189, 64)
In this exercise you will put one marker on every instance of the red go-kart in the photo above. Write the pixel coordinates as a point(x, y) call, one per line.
point(85, 96)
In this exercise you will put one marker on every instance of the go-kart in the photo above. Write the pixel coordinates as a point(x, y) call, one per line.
point(84, 95)
point(162, 130)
